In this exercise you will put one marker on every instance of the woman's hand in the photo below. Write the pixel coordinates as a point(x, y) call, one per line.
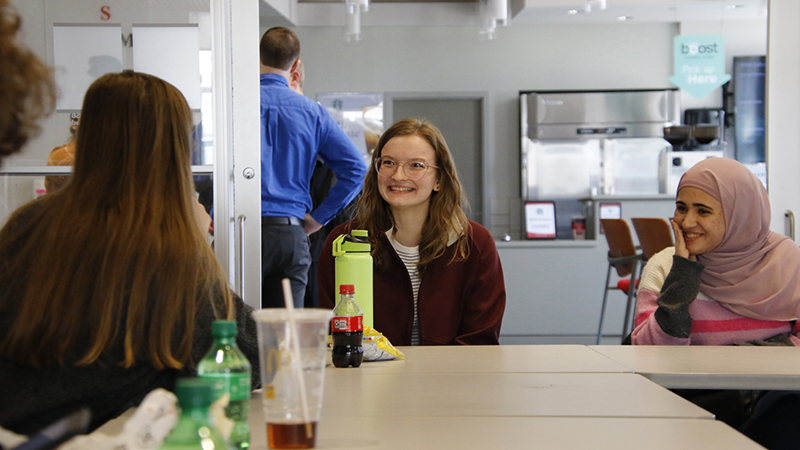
point(680, 244)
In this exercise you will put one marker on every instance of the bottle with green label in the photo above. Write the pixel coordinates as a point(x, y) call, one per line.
point(229, 371)
point(194, 430)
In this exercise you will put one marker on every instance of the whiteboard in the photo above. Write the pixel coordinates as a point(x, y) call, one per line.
point(82, 54)
point(171, 53)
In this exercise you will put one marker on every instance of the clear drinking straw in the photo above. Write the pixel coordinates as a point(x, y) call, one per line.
point(294, 335)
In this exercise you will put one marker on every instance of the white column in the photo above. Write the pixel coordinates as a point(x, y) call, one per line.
point(783, 110)
point(237, 176)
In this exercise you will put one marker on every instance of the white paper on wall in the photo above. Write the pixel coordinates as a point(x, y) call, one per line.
point(81, 54)
point(170, 52)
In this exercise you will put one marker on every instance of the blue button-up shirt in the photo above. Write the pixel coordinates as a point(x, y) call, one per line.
point(294, 131)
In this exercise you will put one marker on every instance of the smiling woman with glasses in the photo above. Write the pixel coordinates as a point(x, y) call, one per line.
point(437, 278)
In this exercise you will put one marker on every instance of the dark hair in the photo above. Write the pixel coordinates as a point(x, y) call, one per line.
point(446, 214)
point(280, 48)
point(127, 266)
point(27, 92)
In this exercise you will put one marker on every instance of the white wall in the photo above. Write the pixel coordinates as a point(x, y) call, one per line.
point(541, 57)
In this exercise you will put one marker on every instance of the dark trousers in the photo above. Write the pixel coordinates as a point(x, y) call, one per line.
point(773, 423)
point(284, 254)
point(767, 417)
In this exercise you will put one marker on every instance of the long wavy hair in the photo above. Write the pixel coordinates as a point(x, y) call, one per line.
point(446, 215)
point(114, 267)
point(27, 91)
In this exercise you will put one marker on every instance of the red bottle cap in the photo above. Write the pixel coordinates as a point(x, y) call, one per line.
point(347, 289)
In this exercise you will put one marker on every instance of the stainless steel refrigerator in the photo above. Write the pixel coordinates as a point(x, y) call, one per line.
point(579, 144)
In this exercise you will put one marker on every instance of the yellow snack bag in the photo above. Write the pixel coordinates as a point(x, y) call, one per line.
point(377, 347)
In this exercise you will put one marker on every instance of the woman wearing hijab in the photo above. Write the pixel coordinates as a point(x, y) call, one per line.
point(729, 280)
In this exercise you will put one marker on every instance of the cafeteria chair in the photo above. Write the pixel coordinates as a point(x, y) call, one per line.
point(622, 256)
point(654, 233)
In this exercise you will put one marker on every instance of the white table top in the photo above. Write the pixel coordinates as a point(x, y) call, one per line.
point(352, 392)
point(711, 367)
point(446, 398)
point(541, 433)
point(493, 358)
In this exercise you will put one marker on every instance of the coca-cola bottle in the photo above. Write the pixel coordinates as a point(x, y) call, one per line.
point(347, 329)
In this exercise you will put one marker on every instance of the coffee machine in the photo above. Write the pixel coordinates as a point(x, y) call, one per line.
point(708, 129)
point(701, 136)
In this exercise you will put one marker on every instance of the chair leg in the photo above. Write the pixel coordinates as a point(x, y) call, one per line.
point(631, 299)
point(603, 307)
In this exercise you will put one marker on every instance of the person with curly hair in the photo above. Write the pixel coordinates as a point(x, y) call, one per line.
point(27, 91)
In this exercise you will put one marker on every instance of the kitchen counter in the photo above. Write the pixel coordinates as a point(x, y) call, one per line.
point(651, 205)
point(547, 243)
point(555, 287)
point(627, 197)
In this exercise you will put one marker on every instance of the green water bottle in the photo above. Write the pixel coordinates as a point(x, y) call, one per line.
point(354, 266)
point(194, 431)
point(228, 370)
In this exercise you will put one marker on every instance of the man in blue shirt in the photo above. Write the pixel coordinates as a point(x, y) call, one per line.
point(294, 131)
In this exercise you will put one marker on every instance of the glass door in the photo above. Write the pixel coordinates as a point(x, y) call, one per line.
point(189, 43)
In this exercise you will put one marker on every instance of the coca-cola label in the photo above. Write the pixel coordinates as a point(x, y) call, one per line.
point(345, 324)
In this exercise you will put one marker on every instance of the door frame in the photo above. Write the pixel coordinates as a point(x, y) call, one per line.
point(237, 142)
point(487, 133)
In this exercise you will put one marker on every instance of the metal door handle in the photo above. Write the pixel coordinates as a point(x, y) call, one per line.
point(788, 223)
point(241, 220)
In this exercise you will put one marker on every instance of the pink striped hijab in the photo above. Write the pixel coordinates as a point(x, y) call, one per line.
point(753, 272)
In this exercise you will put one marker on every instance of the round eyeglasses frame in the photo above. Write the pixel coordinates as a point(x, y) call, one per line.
point(411, 172)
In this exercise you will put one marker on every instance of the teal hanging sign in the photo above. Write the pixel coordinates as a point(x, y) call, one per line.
point(699, 64)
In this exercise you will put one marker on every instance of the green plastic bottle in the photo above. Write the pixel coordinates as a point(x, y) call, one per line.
point(229, 372)
point(194, 431)
point(354, 266)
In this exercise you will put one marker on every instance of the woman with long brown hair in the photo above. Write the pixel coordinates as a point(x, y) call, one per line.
point(108, 287)
point(437, 278)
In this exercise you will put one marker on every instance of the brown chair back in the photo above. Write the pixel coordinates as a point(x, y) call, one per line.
point(620, 243)
point(655, 234)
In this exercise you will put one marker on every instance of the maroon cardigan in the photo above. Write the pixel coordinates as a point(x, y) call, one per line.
point(459, 303)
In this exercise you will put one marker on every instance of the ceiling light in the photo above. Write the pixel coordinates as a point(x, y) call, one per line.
point(353, 4)
point(734, 6)
point(598, 5)
point(572, 12)
point(624, 18)
point(353, 18)
point(493, 13)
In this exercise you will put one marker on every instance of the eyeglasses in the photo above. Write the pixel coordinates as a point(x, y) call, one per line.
point(414, 170)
